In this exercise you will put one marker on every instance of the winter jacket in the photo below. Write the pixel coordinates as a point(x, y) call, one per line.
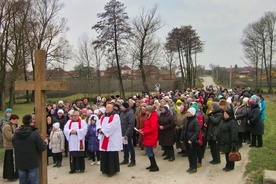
point(57, 141)
point(62, 121)
point(28, 145)
point(240, 116)
point(150, 130)
point(7, 133)
point(228, 135)
point(92, 138)
point(213, 125)
point(263, 107)
point(255, 121)
point(127, 122)
point(191, 130)
point(166, 136)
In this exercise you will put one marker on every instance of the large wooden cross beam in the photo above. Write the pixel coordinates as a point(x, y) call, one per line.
point(40, 85)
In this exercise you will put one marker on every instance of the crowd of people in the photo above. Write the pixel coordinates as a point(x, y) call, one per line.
point(188, 120)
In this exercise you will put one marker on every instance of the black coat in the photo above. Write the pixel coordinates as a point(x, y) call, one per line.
point(61, 120)
point(228, 135)
point(213, 125)
point(166, 136)
point(28, 145)
point(191, 129)
point(255, 121)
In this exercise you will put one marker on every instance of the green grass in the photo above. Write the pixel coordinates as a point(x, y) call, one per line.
point(264, 158)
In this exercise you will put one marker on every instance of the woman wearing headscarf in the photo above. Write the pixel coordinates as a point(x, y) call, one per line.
point(255, 122)
point(166, 123)
point(228, 137)
point(240, 113)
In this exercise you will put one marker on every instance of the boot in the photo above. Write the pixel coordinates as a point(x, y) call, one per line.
point(151, 164)
point(167, 154)
point(164, 153)
point(56, 164)
point(59, 164)
point(172, 158)
point(154, 167)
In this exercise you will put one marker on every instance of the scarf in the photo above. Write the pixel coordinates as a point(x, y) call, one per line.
point(106, 139)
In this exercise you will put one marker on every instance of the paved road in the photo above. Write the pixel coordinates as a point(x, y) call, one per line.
point(208, 80)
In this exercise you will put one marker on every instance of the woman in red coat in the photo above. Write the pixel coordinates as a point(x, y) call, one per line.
point(150, 132)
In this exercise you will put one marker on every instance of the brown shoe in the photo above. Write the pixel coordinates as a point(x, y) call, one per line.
point(199, 165)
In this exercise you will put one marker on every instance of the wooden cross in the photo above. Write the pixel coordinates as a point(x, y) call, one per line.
point(40, 85)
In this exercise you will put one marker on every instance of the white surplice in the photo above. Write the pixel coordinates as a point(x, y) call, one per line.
point(74, 140)
point(113, 131)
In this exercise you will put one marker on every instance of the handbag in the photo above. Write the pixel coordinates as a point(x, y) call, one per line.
point(234, 156)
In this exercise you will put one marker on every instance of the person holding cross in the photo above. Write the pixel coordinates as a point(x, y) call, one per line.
point(75, 131)
point(28, 146)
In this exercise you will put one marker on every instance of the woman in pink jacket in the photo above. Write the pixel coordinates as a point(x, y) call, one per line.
point(150, 132)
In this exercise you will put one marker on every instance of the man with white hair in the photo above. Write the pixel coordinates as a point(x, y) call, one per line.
point(75, 131)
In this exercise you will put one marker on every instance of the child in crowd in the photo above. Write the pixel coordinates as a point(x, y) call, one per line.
point(93, 141)
point(57, 144)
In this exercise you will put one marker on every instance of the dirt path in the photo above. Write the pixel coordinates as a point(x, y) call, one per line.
point(170, 172)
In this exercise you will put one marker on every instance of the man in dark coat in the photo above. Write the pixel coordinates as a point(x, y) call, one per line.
point(127, 123)
point(28, 146)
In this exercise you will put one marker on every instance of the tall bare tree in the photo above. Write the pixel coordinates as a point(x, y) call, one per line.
point(185, 41)
point(145, 47)
point(113, 31)
point(259, 45)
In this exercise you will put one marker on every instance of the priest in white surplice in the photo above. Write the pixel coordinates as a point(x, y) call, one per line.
point(110, 135)
point(75, 131)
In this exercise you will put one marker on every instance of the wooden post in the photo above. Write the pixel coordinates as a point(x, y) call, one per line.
point(40, 85)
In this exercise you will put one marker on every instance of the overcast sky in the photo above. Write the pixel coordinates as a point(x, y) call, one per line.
point(219, 23)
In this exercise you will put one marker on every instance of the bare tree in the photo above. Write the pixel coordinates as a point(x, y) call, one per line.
point(185, 41)
point(5, 22)
point(259, 45)
point(145, 47)
point(113, 30)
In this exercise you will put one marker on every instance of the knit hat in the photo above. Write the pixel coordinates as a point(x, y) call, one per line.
point(96, 111)
point(216, 106)
point(125, 104)
point(60, 111)
point(89, 111)
point(252, 101)
point(71, 111)
point(56, 125)
point(194, 105)
point(192, 111)
point(245, 100)
point(230, 112)
point(84, 110)
point(8, 110)
point(60, 102)
point(166, 108)
point(102, 109)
